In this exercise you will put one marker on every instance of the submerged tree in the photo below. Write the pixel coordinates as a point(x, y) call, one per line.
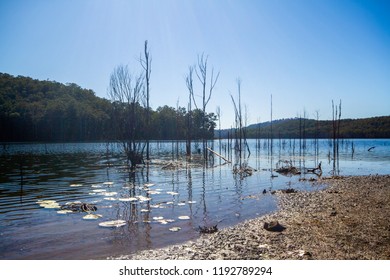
point(146, 65)
point(126, 93)
point(207, 87)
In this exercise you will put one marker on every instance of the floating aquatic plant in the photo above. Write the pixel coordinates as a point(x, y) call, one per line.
point(114, 223)
point(92, 216)
point(64, 212)
point(128, 199)
point(143, 198)
point(76, 185)
point(110, 193)
point(174, 229)
point(183, 217)
point(158, 218)
point(153, 192)
point(50, 204)
point(181, 204)
point(99, 190)
point(46, 201)
point(173, 193)
point(108, 183)
point(148, 185)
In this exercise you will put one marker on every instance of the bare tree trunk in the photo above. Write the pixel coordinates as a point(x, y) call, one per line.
point(146, 65)
point(201, 72)
point(190, 87)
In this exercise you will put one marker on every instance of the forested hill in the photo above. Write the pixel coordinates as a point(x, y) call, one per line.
point(376, 127)
point(34, 110)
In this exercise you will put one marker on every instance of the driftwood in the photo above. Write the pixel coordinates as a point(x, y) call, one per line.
point(215, 153)
point(286, 168)
point(206, 229)
point(244, 170)
point(79, 207)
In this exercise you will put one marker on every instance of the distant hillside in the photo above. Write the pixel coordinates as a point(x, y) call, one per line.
point(48, 111)
point(376, 127)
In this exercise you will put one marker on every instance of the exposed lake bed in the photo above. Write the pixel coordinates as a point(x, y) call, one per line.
point(152, 204)
point(349, 220)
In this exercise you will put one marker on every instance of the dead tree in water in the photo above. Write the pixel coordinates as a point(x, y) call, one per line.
point(336, 119)
point(240, 139)
point(190, 87)
point(125, 91)
point(207, 90)
point(146, 65)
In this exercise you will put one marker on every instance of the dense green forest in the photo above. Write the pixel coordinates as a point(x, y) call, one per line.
point(376, 127)
point(33, 110)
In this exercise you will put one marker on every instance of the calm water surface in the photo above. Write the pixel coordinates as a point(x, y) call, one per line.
point(77, 172)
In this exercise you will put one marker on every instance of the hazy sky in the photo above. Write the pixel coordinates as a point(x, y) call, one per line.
point(303, 52)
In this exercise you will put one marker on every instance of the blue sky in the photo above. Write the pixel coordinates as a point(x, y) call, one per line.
point(305, 53)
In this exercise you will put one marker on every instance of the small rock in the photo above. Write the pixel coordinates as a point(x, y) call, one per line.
point(274, 226)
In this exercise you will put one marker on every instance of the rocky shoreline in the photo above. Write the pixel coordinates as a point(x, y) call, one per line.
point(348, 220)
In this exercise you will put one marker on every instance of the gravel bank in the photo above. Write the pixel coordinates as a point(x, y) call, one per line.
point(348, 220)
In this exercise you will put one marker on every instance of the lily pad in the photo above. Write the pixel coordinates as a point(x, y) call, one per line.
point(51, 204)
point(191, 201)
point(110, 193)
point(99, 190)
point(46, 201)
point(148, 185)
point(127, 199)
point(114, 223)
point(181, 204)
point(183, 217)
point(64, 212)
point(110, 198)
point(75, 185)
point(92, 216)
point(174, 229)
point(153, 192)
point(143, 198)
point(158, 218)
point(145, 210)
point(173, 193)
point(108, 183)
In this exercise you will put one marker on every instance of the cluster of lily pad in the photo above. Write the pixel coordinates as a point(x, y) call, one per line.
point(109, 195)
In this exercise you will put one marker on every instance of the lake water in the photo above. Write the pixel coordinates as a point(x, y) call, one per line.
point(96, 173)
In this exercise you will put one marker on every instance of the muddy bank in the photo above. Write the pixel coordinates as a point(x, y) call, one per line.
point(348, 220)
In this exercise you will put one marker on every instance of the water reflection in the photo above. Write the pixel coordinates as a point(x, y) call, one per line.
point(209, 196)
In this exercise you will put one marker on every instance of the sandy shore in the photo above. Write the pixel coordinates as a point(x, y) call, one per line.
point(348, 220)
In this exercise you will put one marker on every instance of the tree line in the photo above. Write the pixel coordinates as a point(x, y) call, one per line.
point(375, 127)
point(34, 110)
